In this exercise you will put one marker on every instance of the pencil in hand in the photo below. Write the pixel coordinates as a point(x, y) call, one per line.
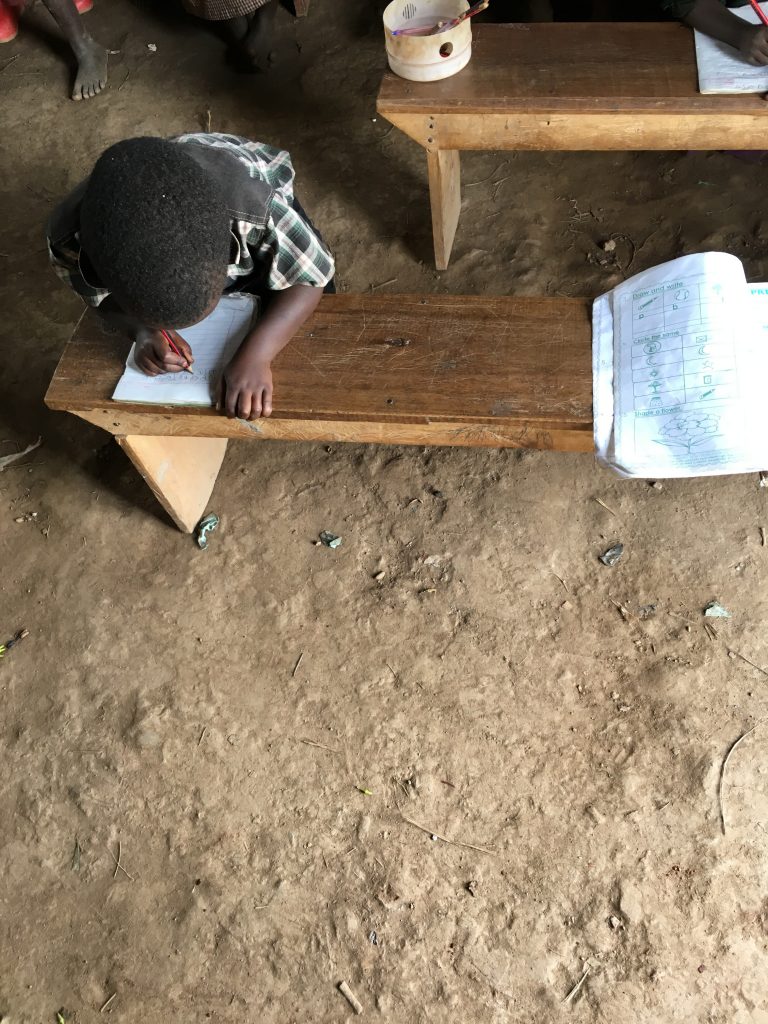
point(175, 349)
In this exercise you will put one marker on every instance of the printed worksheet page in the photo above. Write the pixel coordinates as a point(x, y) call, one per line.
point(722, 69)
point(213, 342)
point(686, 366)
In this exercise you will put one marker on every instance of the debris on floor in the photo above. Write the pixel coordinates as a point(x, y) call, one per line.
point(330, 540)
point(612, 555)
point(350, 996)
point(27, 517)
point(715, 610)
point(21, 635)
point(8, 460)
point(206, 525)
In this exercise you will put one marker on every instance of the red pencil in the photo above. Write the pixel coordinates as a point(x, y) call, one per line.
point(760, 13)
point(167, 337)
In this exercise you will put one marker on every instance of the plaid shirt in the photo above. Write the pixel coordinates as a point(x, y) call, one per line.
point(287, 252)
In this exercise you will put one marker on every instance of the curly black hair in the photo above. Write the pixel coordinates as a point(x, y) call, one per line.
point(155, 228)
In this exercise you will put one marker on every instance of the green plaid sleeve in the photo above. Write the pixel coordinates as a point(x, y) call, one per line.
point(65, 260)
point(292, 250)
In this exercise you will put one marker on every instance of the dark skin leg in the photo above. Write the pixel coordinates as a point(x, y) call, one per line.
point(235, 29)
point(259, 39)
point(91, 58)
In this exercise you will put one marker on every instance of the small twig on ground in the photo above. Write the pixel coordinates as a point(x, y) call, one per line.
point(721, 781)
point(127, 76)
point(322, 746)
point(208, 121)
point(296, 666)
point(75, 863)
point(118, 865)
point(710, 630)
point(9, 62)
point(443, 839)
point(606, 507)
point(202, 735)
point(383, 284)
point(482, 181)
point(762, 536)
point(107, 1003)
point(561, 580)
point(497, 185)
point(577, 987)
point(350, 996)
point(735, 654)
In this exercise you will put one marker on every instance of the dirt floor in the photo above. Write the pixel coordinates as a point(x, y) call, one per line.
point(488, 689)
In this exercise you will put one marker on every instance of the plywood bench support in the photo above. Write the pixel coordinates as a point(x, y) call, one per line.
point(181, 471)
point(564, 86)
point(445, 199)
point(470, 371)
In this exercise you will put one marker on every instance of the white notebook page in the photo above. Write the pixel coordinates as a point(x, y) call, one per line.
point(213, 342)
point(679, 358)
point(722, 69)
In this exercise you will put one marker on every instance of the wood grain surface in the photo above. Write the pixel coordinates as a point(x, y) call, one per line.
point(396, 369)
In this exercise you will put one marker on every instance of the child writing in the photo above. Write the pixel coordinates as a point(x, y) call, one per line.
point(713, 18)
point(163, 227)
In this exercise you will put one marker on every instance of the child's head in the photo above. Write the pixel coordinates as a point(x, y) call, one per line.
point(155, 228)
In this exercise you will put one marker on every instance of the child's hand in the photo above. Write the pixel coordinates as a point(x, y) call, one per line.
point(754, 44)
point(246, 387)
point(154, 355)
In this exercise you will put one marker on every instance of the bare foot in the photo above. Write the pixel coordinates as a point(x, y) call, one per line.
point(257, 45)
point(91, 70)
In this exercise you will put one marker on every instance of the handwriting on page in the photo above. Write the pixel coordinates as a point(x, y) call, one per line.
point(678, 355)
point(213, 342)
point(680, 389)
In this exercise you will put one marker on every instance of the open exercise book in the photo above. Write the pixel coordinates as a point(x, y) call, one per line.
point(722, 69)
point(213, 342)
point(680, 354)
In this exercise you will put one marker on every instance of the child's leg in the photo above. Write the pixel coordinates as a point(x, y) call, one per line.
point(258, 40)
point(91, 58)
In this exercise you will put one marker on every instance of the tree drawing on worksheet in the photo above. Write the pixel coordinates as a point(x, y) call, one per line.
point(689, 430)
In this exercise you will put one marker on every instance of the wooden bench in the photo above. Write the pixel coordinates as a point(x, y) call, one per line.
point(565, 87)
point(391, 369)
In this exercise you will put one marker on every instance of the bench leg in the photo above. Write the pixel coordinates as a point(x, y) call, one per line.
point(445, 200)
point(180, 470)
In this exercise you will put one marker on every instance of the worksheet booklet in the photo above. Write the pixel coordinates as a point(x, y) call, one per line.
point(213, 342)
point(680, 361)
point(722, 69)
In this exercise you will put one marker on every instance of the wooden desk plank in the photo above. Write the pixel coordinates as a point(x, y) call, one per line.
point(477, 370)
point(574, 68)
point(565, 87)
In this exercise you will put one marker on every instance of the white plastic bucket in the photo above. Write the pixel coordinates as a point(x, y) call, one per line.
point(427, 58)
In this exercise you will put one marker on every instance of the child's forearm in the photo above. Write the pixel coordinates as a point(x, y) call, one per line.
point(286, 312)
point(246, 389)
